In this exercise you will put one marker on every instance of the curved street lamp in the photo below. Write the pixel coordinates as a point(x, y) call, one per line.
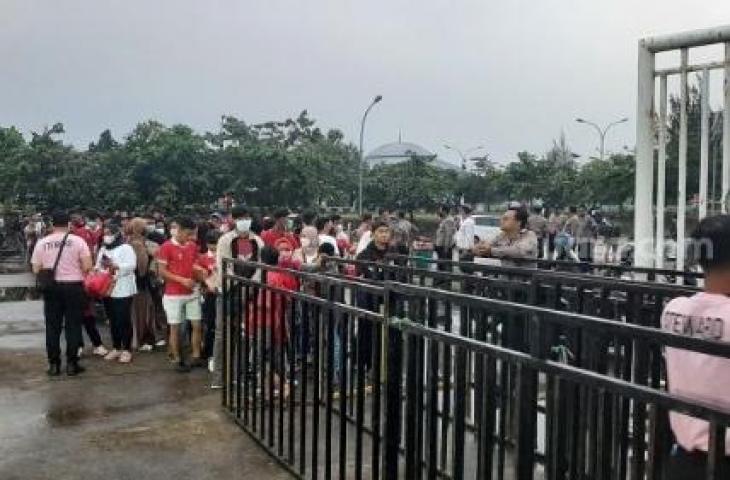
point(376, 100)
point(602, 131)
point(462, 154)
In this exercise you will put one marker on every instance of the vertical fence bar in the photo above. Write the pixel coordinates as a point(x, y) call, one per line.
point(393, 407)
point(224, 311)
point(704, 140)
point(377, 362)
point(292, 376)
point(446, 392)
point(240, 361)
point(272, 307)
point(281, 326)
point(303, 402)
point(682, 175)
point(715, 452)
point(316, 347)
point(329, 385)
point(460, 392)
point(362, 351)
point(726, 131)
point(432, 419)
point(643, 211)
point(661, 172)
point(345, 346)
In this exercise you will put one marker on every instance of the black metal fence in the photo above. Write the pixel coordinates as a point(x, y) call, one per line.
point(621, 300)
point(303, 371)
point(663, 275)
point(391, 380)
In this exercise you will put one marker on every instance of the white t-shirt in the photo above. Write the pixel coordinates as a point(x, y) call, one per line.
point(465, 234)
point(364, 241)
point(124, 258)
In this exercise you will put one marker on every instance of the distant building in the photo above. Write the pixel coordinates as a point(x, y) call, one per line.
point(399, 152)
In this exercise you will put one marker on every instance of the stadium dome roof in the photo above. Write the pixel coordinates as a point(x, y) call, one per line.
point(397, 152)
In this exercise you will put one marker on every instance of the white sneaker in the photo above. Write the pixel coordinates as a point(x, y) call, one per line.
point(146, 348)
point(80, 352)
point(211, 364)
point(125, 357)
point(101, 351)
point(160, 343)
point(113, 355)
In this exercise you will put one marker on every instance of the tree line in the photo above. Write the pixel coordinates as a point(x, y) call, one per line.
point(295, 163)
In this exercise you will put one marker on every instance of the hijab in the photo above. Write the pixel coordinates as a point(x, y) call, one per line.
point(115, 230)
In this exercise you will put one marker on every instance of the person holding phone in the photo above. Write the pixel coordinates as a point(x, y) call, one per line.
point(118, 258)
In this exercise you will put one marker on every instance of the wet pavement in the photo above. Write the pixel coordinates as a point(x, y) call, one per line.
point(115, 421)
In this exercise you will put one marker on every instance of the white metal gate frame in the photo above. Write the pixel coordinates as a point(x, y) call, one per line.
point(649, 248)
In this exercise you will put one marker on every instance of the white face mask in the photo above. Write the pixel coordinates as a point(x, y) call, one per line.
point(161, 231)
point(223, 228)
point(243, 225)
point(173, 232)
point(109, 239)
point(149, 228)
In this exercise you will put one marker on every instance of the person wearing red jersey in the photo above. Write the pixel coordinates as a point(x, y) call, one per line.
point(209, 262)
point(80, 228)
point(178, 264)
point(272, 311)
point(279, 230)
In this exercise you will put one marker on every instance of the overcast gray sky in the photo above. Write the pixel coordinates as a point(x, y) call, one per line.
point(509, 74)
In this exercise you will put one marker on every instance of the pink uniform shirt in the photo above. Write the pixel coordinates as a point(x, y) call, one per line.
point(69, 266)
point(696, 375)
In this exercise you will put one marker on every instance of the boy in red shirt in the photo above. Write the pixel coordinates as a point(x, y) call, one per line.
point(179, 267)
point(279, 231)
point(273, 307)
point(208, 261)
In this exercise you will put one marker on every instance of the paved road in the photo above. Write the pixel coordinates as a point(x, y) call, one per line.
point(11, 280)
point(114, 422)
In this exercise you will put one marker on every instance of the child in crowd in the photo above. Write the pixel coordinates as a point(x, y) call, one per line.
point(210, 292)
point(179, 267)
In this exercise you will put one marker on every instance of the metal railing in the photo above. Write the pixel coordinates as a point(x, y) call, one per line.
point(630, 272)
point(450, 385)
point(621, 300)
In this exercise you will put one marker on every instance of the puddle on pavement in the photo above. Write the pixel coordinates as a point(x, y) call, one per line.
point(72, 415)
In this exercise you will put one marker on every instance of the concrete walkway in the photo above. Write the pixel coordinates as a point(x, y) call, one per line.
point(114, 422)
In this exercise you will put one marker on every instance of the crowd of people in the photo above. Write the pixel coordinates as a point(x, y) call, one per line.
point(163, 276)
point(158, 280)
point(166, 283)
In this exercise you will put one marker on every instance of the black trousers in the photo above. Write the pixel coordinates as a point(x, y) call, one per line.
point(551, 245)
point(209, 314)
point(444, 254)
point(119, 311)
point(540, 247)
point(682, 465)
point(89, 323)
point(63, 308)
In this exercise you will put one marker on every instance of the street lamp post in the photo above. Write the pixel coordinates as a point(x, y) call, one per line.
point(602, 131)
point(377, 99)
point(462, 154)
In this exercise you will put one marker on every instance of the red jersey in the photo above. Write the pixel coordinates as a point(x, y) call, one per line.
point(91, 239)
point(271, 236)
point(208, 262)
point(180, 260)
point(271, 308)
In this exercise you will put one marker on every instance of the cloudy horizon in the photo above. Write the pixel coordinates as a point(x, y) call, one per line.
point(511, 77)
